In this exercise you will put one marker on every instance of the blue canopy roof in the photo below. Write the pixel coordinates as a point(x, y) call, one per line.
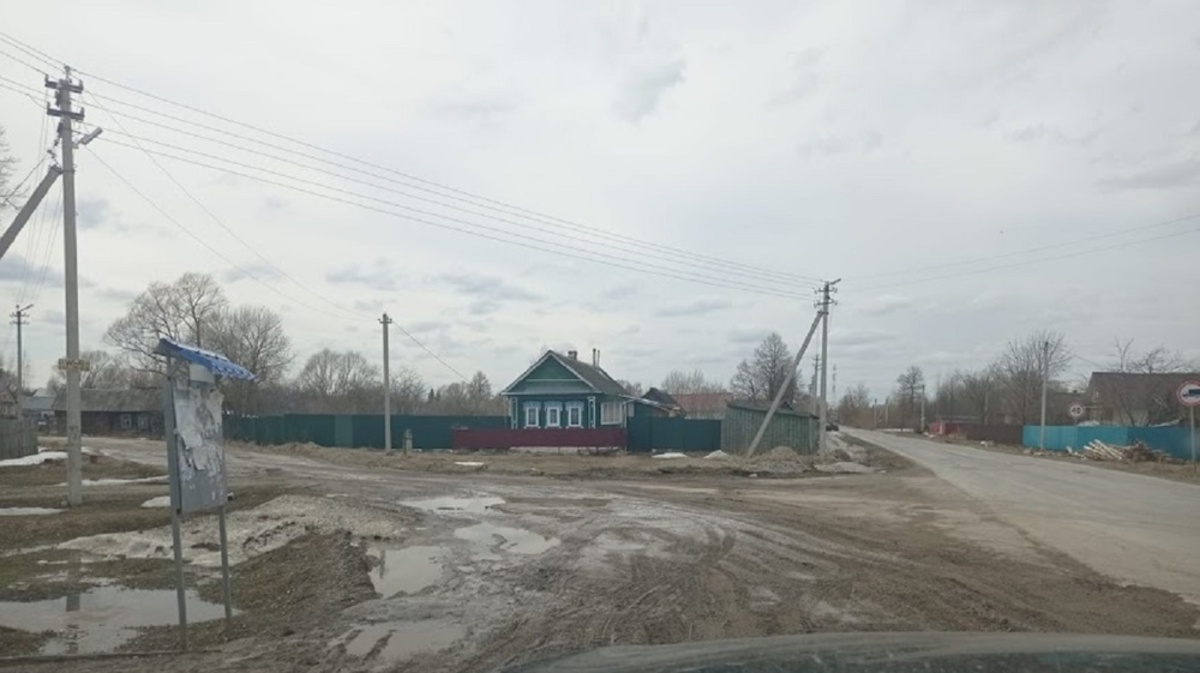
point(215, 362)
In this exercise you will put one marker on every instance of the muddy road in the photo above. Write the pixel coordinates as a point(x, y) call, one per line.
point(354, 565)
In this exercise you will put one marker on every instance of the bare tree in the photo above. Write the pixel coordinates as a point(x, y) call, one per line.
point(680, 382)
point(253, 337)
point(979, 395)
point(910, 388)
point(7, 190)
point(408, 390)
point(106, 371)
point(763, 374)
point(1023, 365)
point(855, 407)
point(340, 382)
point(184, 310)
point(1146, 395)
point(632, 388)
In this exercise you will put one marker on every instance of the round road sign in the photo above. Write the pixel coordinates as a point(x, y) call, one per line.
point(1189, 394)
point(1077, 411)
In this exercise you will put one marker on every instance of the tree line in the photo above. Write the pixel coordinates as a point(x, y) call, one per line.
point(194, 309)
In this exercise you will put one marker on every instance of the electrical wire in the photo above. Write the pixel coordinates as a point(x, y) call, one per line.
point(30, 50)
point(561, 251)
point(234, 265)
point(1053, 246)
point(447, 191)
point(23, 62)
point(1040, 260)
point(623, 246)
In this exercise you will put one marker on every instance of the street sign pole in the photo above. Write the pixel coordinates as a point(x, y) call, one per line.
point(1192, 414)
point(1189, 396)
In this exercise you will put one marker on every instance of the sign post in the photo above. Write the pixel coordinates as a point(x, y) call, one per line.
point(1189, 396)
point(195, 454)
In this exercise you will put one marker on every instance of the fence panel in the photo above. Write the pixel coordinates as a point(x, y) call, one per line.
point(1173, 440)
point(17, 438)
point(648, 433)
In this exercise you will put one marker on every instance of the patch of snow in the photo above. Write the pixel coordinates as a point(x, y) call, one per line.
point(35, 459)
point(669, 454)
point(115, 482)
point(843, 467)
point(160, 501)
point(27, 511)
point(717, 454)
point(468, 463)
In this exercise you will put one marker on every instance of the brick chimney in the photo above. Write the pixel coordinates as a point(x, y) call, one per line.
point(574, 355)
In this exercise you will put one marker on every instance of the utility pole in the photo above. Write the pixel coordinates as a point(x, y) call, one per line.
point(20, 322)
point(387, 387)
point(1045, 375)
point(827, 289)
point(71, 364)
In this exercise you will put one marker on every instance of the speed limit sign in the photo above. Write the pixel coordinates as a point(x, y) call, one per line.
point(1077, 411)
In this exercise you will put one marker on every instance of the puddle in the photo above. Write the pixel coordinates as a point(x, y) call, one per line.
point(103, 618)
point(474, 505)
point(27, 511)
point(404, 639)
point(488, 538)
point(404, 570)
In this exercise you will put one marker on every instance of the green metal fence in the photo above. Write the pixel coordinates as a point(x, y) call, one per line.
point(358, 430)
point(647, 433)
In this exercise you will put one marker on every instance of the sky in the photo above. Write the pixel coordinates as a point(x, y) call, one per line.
point(666, 181)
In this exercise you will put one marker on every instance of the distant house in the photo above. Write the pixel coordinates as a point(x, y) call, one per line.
point(38, 409)
point(657, 403)
point(704, 405)
point(1127, 398)
point(562, 391)
point(115, 411)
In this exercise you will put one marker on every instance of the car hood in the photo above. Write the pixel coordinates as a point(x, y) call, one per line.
point(891, 652)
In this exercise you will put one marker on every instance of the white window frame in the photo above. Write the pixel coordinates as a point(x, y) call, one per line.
point(611, 413)
point(126, 421)
point(576, 407)
point(537, 411)
point(557, 416)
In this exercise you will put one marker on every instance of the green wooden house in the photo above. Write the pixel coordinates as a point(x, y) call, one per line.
point(561, 391)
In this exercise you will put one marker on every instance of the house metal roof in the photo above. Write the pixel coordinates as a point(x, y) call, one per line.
point(595, 377)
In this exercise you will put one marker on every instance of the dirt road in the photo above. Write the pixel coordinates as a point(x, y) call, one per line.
point(478, 571)
point(1137, 529)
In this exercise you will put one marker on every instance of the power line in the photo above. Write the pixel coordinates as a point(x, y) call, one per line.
point(24, 63)
point(30, 50)
point(687, 269)
point(474, 199)
point(248, 274)
point(624, 246)
point(562, 251)
point(1027, 262)
point(1052, 246)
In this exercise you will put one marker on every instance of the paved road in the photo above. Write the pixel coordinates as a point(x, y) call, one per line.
point(1137, 529)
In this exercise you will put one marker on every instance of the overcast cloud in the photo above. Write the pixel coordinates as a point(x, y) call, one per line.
point(973, 171)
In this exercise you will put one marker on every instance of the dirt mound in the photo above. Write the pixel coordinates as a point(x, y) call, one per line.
point(782, 453)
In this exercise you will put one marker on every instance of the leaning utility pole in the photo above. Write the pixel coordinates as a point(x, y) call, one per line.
point(1045, 375)
point(387, 387)
point(787, 382)
point(20, 322)
point(826, 290)
point(71, 364)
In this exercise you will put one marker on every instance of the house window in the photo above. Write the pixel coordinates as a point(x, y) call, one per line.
point(553, 415)
point(143, 422)
point(126, 421)
point(610, 413)
point(531, 415)
point(575, 415)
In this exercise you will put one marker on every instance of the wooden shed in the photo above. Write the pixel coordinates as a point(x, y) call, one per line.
point(788, 427)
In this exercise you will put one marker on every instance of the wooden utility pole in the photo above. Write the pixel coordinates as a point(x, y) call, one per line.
point(1045, 375)
point(72, 365)
point(19, 320)
point(387, 387)
point(827, 289)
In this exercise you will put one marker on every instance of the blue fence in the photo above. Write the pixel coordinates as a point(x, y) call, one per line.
point(1175, 441)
